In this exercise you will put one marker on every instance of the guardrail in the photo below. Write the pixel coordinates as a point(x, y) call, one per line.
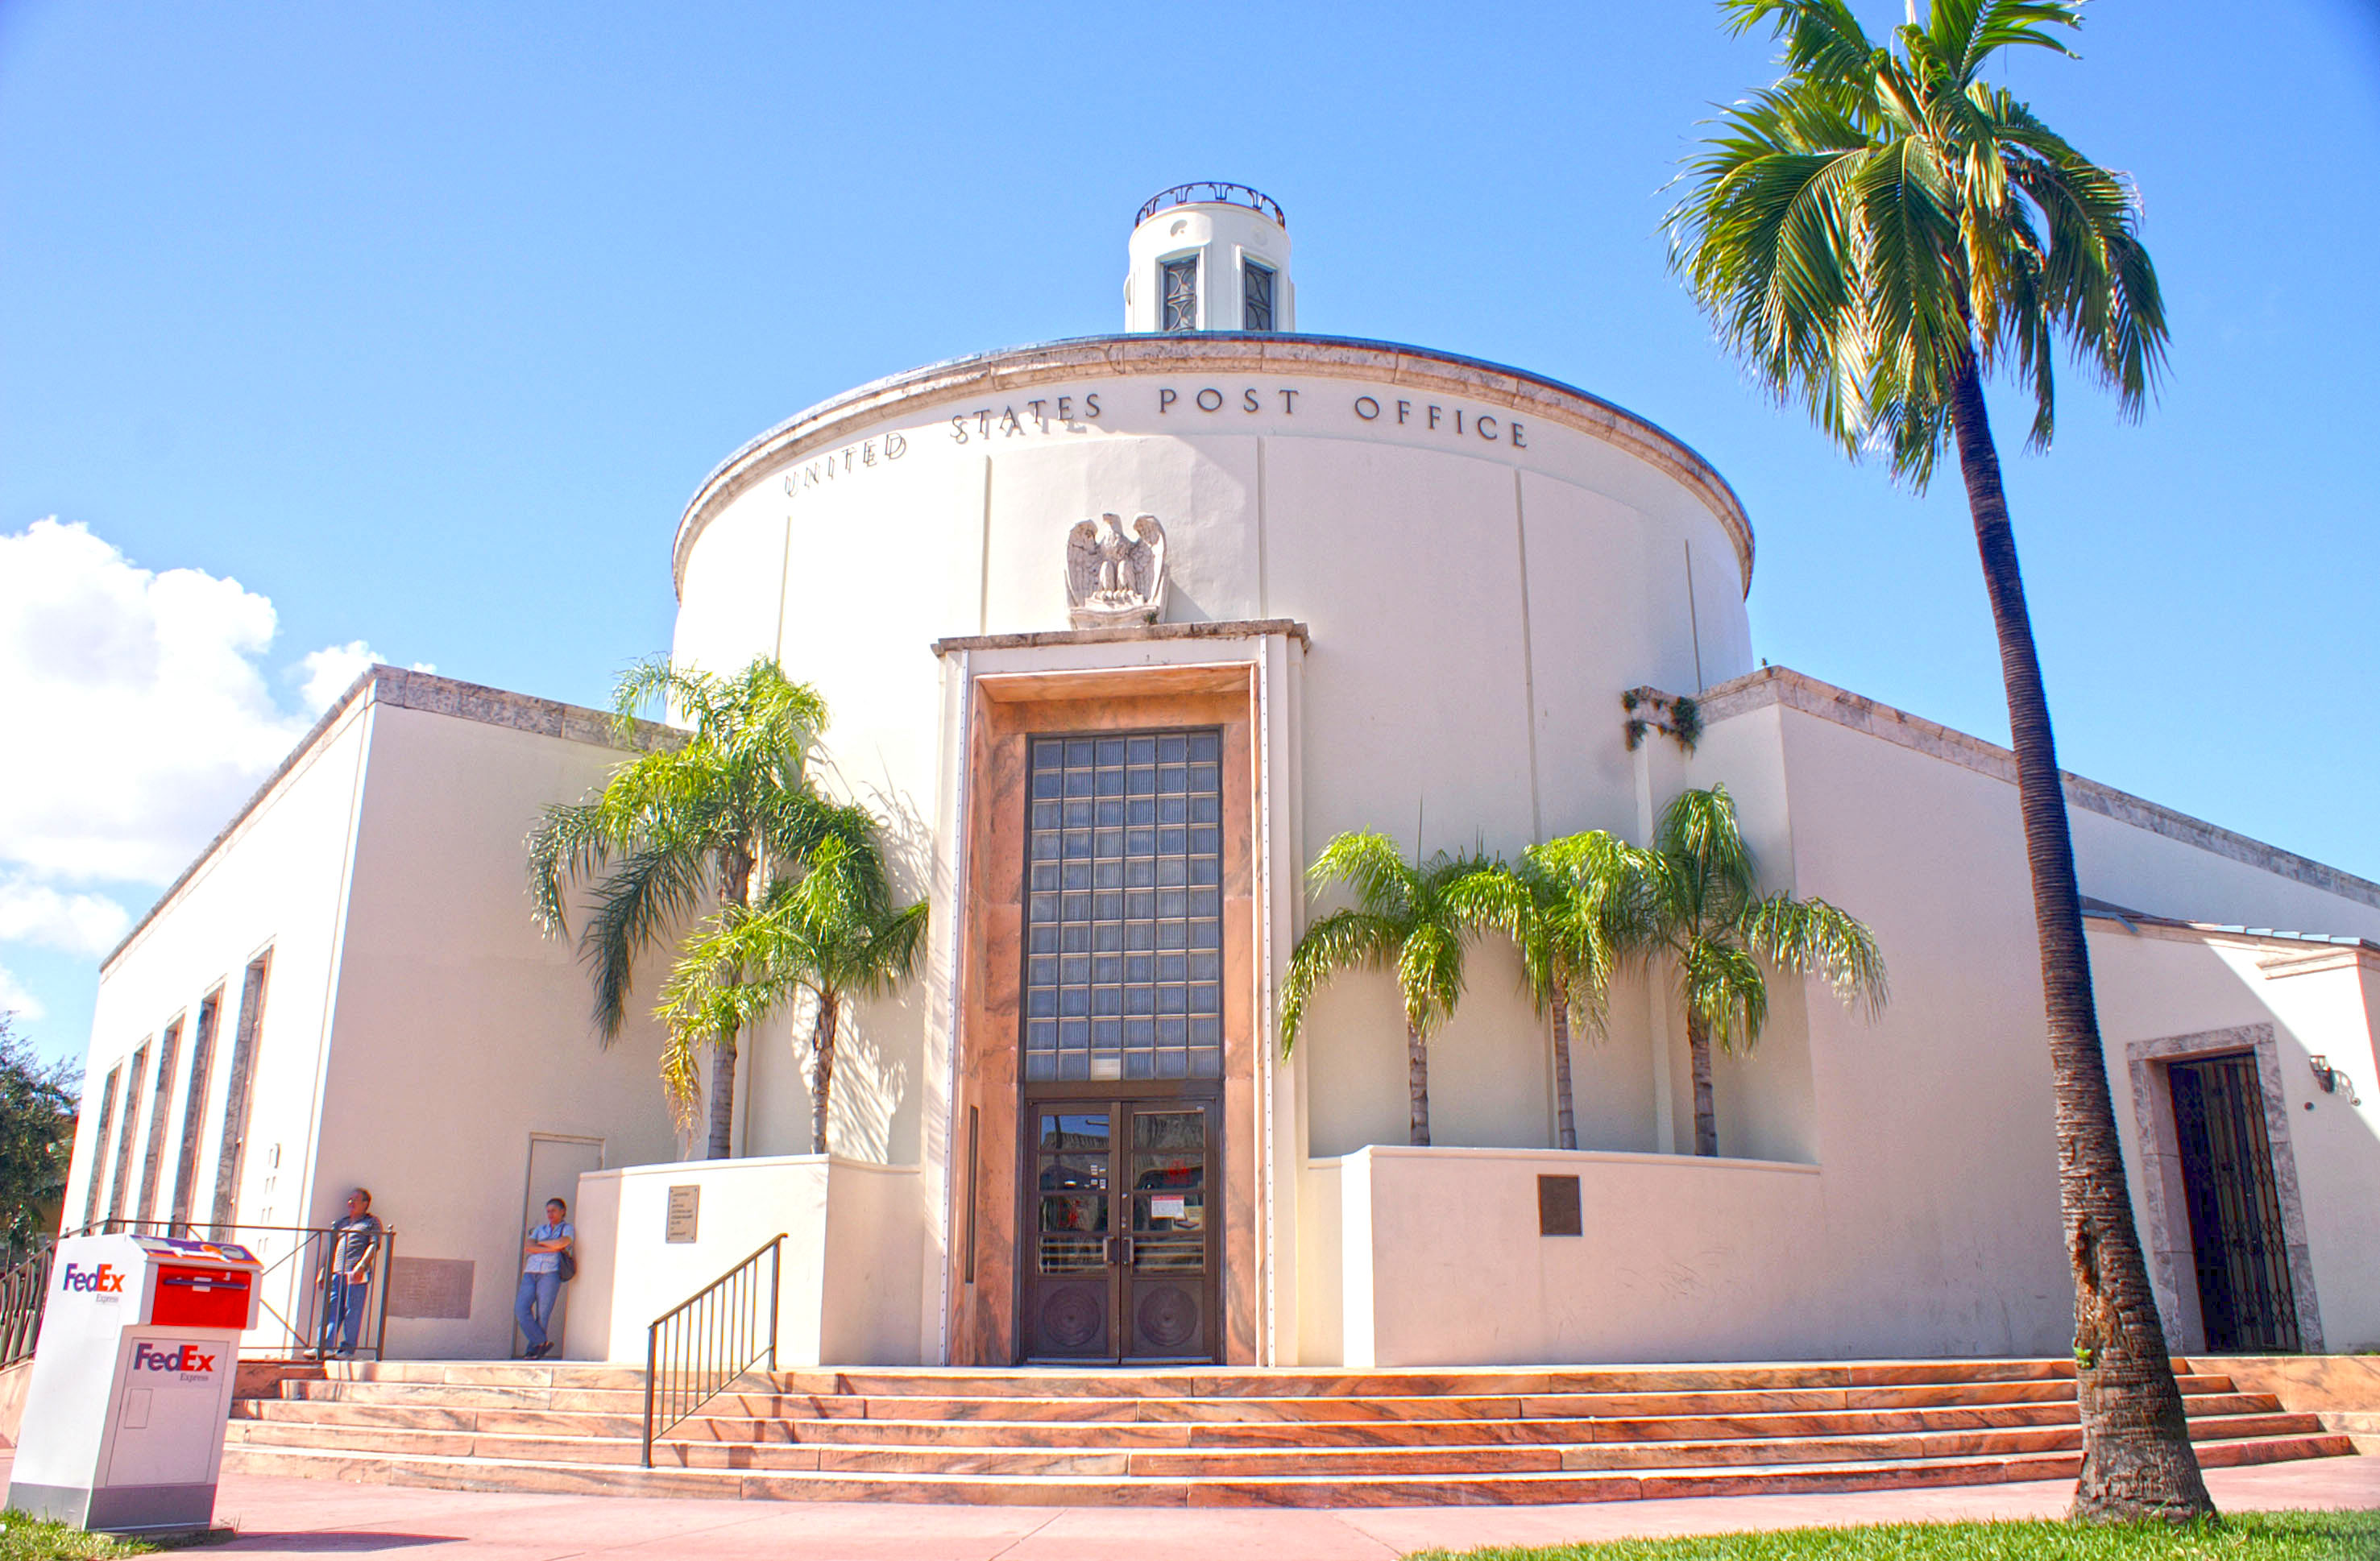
point(22, 1290)
point(697, 1348)
point(1220, 192)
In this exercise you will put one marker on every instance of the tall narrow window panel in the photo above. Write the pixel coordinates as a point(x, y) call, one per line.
point(1256, 296)
point(1180, 291)
point(1123, 907)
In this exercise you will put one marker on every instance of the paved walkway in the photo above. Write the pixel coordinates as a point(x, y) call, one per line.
point(310, 1517)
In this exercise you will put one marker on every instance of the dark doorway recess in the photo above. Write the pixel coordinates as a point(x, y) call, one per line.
point(2244, 1294)
point(1122, 1265)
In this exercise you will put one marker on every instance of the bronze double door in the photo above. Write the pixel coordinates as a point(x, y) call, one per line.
point(1126, 1232)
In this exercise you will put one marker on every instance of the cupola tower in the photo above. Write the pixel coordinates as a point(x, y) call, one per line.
point(1210, 257)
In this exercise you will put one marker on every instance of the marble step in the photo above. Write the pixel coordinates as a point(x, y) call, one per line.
point(489, 1473)
point(713, 1427)
point(957, 1457)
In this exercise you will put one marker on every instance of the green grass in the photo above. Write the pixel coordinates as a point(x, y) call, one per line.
point(2248, 1536)
point(27, 1539)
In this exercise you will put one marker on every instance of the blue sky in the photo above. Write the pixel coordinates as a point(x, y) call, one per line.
point(421, 324)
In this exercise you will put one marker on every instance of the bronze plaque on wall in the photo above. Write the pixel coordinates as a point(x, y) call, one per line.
point(430, 1286)
point(1558, 1212)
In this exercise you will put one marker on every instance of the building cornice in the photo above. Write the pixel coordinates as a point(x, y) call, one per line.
point(832, 422)
point(400, 689)
point(1781, 685)
point(1229, 628)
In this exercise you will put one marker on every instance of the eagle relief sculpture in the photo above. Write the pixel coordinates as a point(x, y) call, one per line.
point(1114, 576)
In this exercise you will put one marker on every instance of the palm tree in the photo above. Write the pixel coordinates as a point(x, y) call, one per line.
point(1876, 233)
point(1573, 907)
point(831, 932)
point(1413, 917)
point(679, 826)
point(1706, 920)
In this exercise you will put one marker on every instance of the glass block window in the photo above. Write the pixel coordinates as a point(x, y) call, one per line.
point(1181, 294)
point(1124, 932)
point(1256, 296)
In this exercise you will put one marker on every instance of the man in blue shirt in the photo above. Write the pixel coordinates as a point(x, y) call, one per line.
point(540, 1280)
point(352, 1247)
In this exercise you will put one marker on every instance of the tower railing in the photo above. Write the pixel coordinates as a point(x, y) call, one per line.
point(697, 1348)
point(1220, 192)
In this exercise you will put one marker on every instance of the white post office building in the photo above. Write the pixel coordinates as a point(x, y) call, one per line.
point(1151, 616)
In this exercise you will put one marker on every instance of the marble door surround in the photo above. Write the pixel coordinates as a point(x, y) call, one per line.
point(2171, 1265)
point(1007, 710)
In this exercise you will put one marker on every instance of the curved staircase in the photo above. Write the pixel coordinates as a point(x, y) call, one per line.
point(1222, 1437)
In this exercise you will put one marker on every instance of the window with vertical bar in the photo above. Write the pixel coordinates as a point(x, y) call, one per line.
point(1179, 289)
point(1256, 296)
point(1123, 907)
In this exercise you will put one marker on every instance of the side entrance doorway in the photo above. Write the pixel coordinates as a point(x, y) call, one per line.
point(1125, 1255)
point(2244, 1293)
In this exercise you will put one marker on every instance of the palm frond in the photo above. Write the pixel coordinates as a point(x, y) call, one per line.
point(648, 891)
point(1342, 940)
point(1812, 938)
point(1722, 987)
point(1369, 863)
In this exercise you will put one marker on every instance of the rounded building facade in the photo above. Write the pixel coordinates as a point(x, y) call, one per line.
point(1345, 585)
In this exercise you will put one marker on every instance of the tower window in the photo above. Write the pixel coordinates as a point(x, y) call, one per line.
point(1181, 279)
point(1256, 296)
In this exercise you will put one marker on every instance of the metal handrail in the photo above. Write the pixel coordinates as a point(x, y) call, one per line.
point(298, 1327)
point(1217, 192)
point(712, 1338)
point(23, 1289)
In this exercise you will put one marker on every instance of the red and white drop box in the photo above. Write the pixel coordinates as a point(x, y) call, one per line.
point(125, 1416)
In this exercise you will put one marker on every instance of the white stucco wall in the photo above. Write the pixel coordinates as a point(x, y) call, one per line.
point(850, 1284)
point(459, 1029)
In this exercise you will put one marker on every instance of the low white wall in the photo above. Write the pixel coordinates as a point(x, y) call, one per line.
point(1681, 1259)
point(858, 1222)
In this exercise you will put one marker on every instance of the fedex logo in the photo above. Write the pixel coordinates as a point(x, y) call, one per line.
point(106, 1279)
point(175, 1358)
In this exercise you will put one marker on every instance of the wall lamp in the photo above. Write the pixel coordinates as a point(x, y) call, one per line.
point(2332, 1081)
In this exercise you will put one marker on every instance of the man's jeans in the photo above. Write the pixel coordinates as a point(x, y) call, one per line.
point(533, 1309)
point(343, 1312)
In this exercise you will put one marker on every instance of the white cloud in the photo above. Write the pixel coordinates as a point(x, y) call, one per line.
point(79, 923)
point(327, 672)
point(138, 711)
point(15, 999)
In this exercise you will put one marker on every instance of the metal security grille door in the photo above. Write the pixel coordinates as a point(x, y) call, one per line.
point(2244, 1294)
point(1123, 1264)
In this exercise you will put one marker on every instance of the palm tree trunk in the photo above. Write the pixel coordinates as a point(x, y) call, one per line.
point(1417, 1080)
point(735, 884)
point(822, 1068)
point(2137, 1460)
point(1698, 1048)
point(1565, 1122)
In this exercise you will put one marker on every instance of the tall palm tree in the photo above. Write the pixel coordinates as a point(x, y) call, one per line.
point(831, 932)
point(680, 826)
point(1573, 907)
point(1410, 917)
point(1705, 919)
point(1876, 234)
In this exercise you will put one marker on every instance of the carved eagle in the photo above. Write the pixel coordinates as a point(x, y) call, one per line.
point(1113, 576)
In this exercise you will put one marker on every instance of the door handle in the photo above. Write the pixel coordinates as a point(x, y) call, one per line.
point(1119, 1252)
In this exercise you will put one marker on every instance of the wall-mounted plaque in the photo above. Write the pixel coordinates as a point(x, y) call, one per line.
point(430, 1286)
point(686, 1211)
point(1558, 1213)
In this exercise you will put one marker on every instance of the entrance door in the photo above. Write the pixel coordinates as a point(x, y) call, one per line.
point(555, 1163)
point(1124, 1257)
point(2244, 1293)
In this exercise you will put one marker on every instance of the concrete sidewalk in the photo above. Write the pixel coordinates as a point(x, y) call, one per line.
point(309, 1518)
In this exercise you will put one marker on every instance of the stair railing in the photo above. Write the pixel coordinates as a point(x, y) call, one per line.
point(697, 1348)
point(22, 1290)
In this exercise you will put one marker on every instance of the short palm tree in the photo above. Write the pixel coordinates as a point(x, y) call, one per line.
point(830, 932)
point(1573, 907)
point(682, 826)
point(1414, 918)
point(1706, 920)
point(1876, 234)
